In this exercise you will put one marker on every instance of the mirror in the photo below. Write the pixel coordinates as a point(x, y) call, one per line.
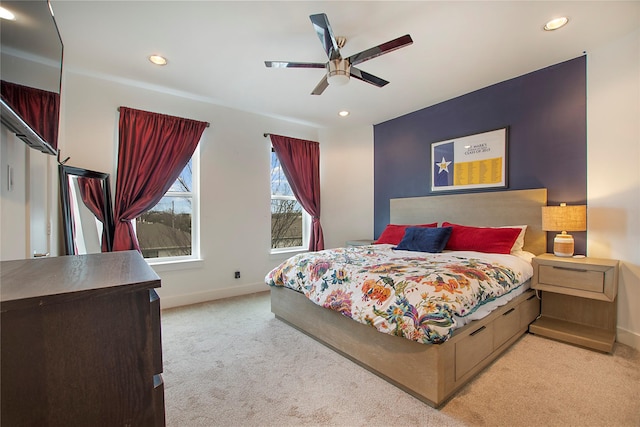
point(87, 214)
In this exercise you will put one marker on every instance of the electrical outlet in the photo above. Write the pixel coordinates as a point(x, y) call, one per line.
point(237, 275)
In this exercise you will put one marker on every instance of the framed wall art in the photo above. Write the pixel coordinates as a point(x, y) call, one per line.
point(470, 162)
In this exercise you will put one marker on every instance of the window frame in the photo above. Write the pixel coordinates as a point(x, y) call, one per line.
point(306, 218)
point(195, 216)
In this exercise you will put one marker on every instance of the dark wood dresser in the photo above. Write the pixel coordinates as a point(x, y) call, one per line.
point(81, 342)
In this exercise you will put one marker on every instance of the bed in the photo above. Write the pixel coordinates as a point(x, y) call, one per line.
point(434, 361)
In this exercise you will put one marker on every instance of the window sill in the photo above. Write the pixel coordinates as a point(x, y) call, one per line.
point(171, 265)
point(286, 253)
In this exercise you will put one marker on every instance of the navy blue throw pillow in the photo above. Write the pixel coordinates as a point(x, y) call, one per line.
point(419, 239)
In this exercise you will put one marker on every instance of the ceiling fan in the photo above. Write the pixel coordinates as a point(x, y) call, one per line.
point(340, 69)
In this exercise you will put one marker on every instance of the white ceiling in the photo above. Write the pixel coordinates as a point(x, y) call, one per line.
point(216, 49)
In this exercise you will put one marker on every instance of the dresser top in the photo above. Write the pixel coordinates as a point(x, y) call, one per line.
point(30, 282)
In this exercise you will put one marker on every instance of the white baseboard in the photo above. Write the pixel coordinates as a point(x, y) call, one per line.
point(632, 339)
point(180, 300)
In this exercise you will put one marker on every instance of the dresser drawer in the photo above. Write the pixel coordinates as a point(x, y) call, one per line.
point(572, 277)
point(156, 328)
point(158, 400)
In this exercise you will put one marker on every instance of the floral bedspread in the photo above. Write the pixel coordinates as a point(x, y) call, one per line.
point(414, 295)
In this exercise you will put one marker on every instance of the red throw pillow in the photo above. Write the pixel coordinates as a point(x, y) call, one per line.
point(481, 239)
point(393, 233)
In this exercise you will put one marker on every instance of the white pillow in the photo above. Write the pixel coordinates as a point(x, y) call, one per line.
point(527, 256)
point(519, 243)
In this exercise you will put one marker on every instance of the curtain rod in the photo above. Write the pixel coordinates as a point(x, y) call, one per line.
point(189, 119)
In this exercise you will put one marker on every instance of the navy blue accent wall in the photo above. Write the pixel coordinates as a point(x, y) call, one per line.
point(546, 112)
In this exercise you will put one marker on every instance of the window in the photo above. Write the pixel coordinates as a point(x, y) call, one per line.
point(169, 229)
point(289, 221)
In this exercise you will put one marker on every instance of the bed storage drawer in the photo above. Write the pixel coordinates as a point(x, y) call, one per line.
point(473, 348)
point(506, 326)
point(529, 310)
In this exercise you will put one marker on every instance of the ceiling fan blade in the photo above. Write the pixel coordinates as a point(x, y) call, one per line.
point(366, 77)
point(287, 64)
point(321, 86)
point(325, 34)
point(387, 47)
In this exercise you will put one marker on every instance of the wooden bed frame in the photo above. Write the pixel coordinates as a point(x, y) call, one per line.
point(432, 373)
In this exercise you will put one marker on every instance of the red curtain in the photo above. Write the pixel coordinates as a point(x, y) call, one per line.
point(39, 108)
point(153, 150)
point(93, 198)
point(300, 160)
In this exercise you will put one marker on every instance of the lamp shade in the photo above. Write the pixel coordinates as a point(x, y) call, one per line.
point(564, 218)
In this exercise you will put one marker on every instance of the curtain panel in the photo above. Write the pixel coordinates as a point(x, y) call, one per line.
point(300, 160)
point(153, 149)
point(39, 108)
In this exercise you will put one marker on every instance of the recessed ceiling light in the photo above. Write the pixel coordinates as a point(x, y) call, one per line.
point(556, 23)
point(343, 113)
point(7, 14)
point(158, 60)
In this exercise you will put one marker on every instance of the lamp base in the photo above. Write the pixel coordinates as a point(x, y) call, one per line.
point(563, 245)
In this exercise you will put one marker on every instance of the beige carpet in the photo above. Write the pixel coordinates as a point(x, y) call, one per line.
point(231, 363)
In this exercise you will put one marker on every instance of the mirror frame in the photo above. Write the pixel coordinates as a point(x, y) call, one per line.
point(65, 172)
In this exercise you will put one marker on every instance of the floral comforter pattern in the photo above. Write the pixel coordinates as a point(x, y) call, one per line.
point(414, 295)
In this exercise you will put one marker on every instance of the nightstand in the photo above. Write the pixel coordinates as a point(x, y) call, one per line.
point(578, 300)
point(362, 242)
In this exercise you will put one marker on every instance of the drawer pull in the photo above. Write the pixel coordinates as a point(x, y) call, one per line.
point(579, 270)
point(508, 311)
point(531, 297)
point(478, 330)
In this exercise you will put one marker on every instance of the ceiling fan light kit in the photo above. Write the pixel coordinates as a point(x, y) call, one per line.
point(339, 70)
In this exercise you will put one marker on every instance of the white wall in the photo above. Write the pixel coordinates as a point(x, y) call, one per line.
point(613, 171)
point(346, 175)
point(235, 189)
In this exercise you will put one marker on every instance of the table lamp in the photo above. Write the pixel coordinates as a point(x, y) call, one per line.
point(564, 218)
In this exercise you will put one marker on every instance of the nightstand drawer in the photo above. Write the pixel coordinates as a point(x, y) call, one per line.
point(572, 277)
point(595, 278)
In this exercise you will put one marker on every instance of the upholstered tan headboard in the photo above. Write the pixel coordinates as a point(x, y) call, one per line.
point(491, 209)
